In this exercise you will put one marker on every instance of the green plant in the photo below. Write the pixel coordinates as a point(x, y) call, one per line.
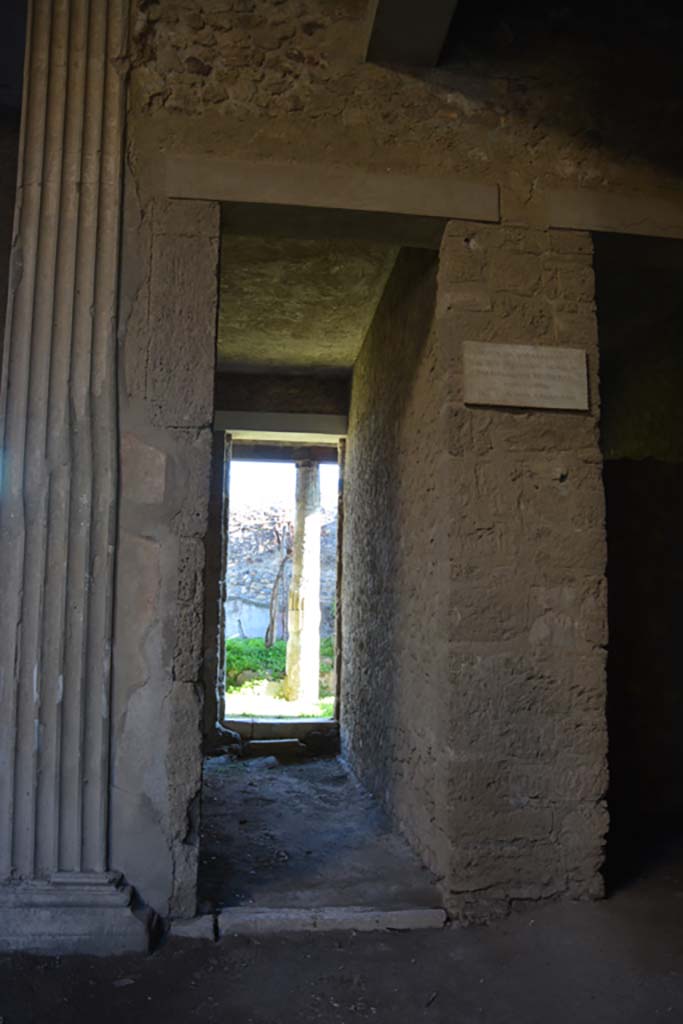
point(252, 655)
point(327, 647)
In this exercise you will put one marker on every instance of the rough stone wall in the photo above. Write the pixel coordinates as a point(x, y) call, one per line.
point(474, 598)
point(527, 736)
point(529, 98)
point(529, 102)
point(395, 557)
point(167, 355)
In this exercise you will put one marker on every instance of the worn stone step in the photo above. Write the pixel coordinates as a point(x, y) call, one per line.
point(265, 920)
point(279, 728)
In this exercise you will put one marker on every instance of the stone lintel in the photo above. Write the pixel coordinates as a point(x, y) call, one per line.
point(292, 393)
point(281, 426)
point(278, 451)
point(336, 188)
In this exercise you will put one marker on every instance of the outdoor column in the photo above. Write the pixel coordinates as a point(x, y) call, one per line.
point(59, 483)
point(303, 647)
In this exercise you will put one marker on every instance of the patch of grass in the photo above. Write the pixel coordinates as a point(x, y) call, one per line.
point(262, 696)
point(252, 655)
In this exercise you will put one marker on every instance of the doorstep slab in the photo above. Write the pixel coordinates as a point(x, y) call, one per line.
point(262, 920)
point(279, 728)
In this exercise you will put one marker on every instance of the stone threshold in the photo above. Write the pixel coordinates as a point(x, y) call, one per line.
point(279, 728)
point(270, 921)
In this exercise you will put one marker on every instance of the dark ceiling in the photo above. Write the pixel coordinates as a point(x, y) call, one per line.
point(12, 35)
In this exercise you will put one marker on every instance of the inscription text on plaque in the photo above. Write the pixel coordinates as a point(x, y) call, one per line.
point(532, 376)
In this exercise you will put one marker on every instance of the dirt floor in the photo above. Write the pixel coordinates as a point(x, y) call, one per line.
point(615, 962)
point(301, 833)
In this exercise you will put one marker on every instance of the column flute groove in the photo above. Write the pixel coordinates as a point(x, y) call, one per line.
point(58, 428)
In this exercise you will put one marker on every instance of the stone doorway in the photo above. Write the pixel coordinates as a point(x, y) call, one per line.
point(294, 314)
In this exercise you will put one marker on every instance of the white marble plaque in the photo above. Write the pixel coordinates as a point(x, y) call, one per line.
point(532, 376)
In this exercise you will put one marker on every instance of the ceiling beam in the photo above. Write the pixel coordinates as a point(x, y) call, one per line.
point(408, 33)
point(281, 451)
point(281, 426)
point(295, 393)
point(332, 187)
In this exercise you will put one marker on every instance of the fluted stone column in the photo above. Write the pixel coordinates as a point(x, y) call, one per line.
point(58, 499)
point(302, 682)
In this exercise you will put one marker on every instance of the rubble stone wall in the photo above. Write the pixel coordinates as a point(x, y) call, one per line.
point(527, 771)
point(499, 780)
point(529, 99)
point(474, 594)
point(395, 577)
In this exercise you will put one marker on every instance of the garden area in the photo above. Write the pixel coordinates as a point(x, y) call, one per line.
point(254, 681)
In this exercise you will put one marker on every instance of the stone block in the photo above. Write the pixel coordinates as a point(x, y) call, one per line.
point(189, 217)
point(190, 569)
point(87, 914)
point(143, 471)
point(470, 295)
point(571, 241)
point(576, 283)
point(138, 637)
point(512, 870)
point(188, 482)
point(182, 326)
point(260, 921)
point(569, 615)
point(493, 610)
point(515, 272)
point(187, 660)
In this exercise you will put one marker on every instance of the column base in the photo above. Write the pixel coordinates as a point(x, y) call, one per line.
point(72, 913)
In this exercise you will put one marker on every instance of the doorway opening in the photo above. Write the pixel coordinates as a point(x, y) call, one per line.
point(281, 590)
point(286, 823)
point(640, 316)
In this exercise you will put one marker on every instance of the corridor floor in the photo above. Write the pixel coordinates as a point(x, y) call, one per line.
point(301, 833)
point(618, 961)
